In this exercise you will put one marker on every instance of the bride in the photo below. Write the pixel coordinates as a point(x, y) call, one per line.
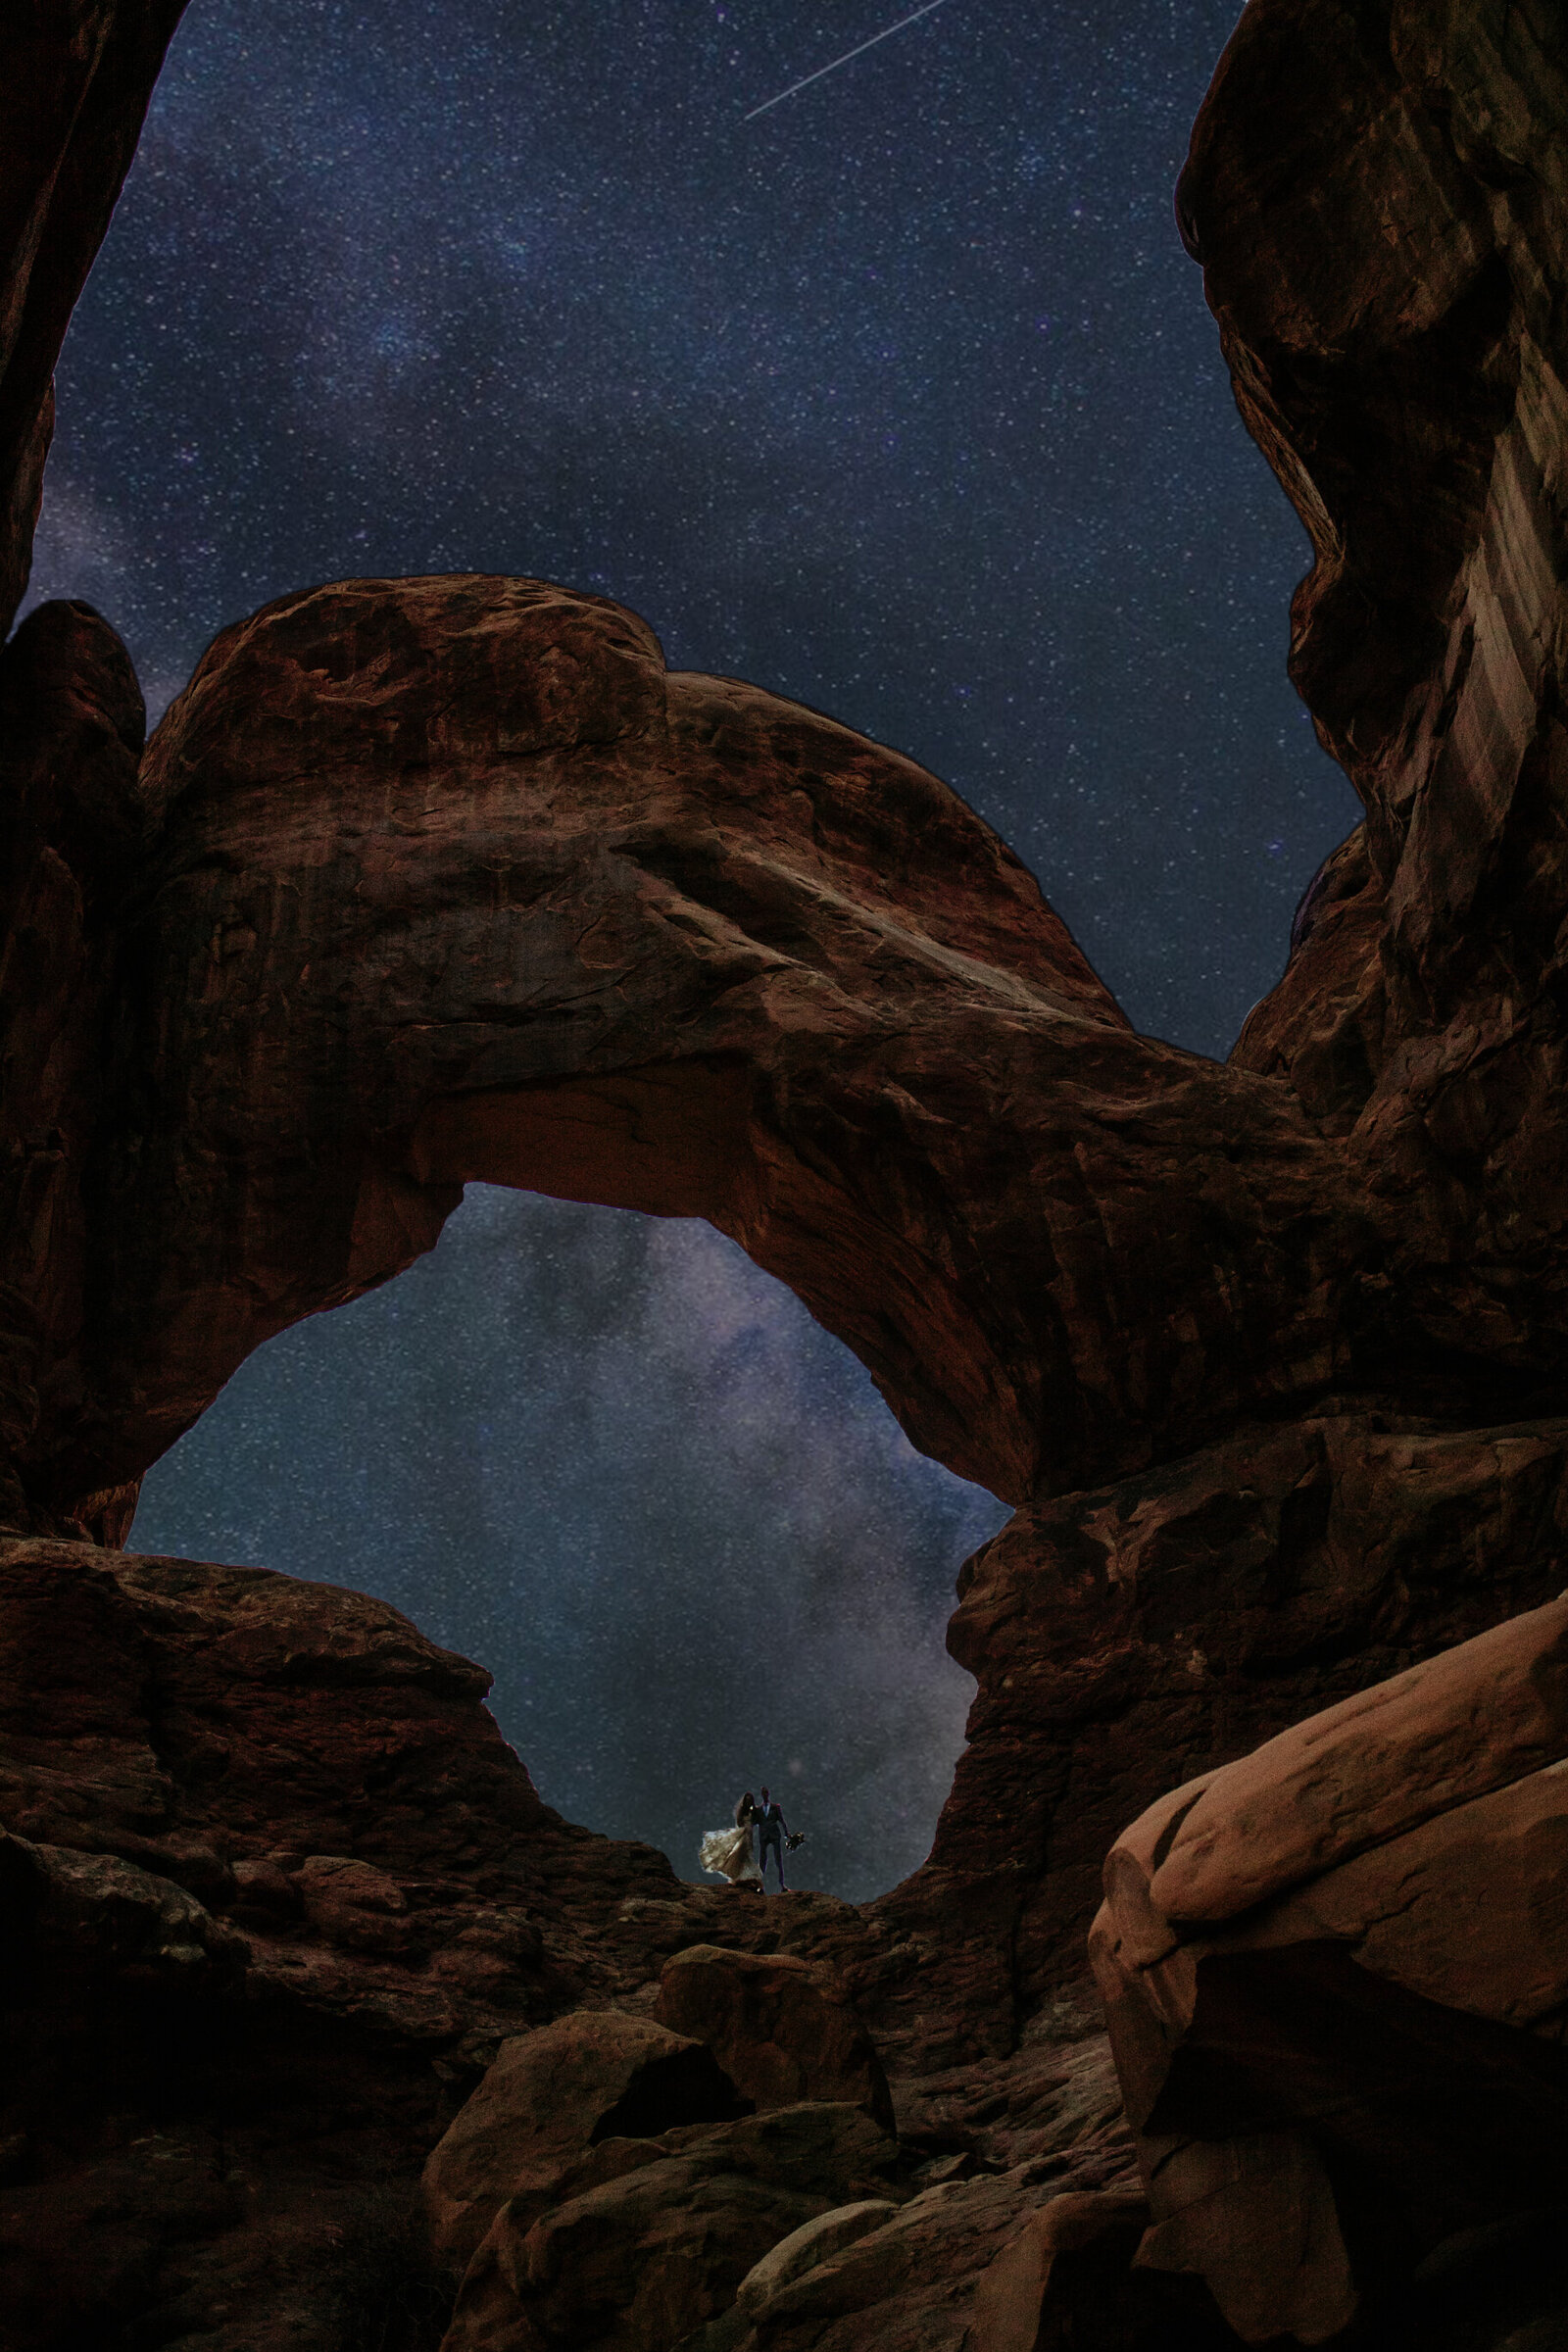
point(728, 1853)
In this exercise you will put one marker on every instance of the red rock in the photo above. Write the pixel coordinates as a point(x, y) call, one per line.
point(782, 2029)
point(548, 2098)
point(1137, 1637)
point(1009, 2302)
point(1471, 1909)
point(918, 2281)
point(352, 1904)
point(1384, 1892)
point(913, 1099)
point(829, 2233)
point(639, 2251)
point(1449, 1730)
point(677, 804)
point(78, 88)
point(273, 1872)
point(1269, 1356)
point(639, 2265)
point(1322, 1028)
point(72, 721)
point(1383, 268)
point(1255, 2215)
point(75, 1906)
point(824, 939)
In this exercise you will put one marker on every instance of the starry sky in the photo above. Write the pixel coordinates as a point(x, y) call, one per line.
point(899, 398)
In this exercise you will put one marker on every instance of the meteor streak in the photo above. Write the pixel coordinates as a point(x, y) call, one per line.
point(885, 35)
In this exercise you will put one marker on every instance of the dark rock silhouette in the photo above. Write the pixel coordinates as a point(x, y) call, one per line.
point(652, 2239)
point(782, 2028)
point(423, 881)
point(551, 2097)
point(1315, 1961)
point(76, 90)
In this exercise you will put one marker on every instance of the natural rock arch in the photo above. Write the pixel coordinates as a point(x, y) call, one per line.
point(447, 879)
point(1304, 1316)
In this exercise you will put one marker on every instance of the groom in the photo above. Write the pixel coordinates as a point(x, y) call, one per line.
point(771, 1830)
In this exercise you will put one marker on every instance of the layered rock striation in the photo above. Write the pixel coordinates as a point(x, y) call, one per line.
point(449, 879)
point(1336, 1977)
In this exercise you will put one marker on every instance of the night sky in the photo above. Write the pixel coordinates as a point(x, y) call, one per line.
point(901, 399)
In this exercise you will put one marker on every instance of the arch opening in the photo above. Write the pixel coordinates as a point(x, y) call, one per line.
point(613, 1459)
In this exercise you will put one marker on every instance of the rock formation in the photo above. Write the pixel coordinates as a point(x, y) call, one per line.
point(274, 1890)
point(76, 90)
point(782, 2030)
point(1315, 1962)
point(424, 881)
point(276, 1899)
point(551, 2097)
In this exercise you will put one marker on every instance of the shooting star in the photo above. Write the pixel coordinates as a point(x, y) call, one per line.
point(885, 35)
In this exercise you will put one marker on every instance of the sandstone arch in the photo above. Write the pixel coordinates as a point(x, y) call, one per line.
point(252, 1041)
point(448, 879)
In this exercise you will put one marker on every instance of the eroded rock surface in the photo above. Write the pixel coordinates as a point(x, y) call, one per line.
point(654, 2238)
point(453, 881)
point(449, 879)
point(1336, 1977)
point(76, 94)
point(1378, 199)
point(283, 1911)
point(72, 723)
point(274, 1889)
point(1129, 1638)
point(783, 2028)
point(550, 2098)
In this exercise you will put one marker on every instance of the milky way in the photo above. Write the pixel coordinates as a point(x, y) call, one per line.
point(901, 399)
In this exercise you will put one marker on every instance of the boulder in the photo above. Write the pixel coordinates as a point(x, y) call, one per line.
point(353, 1905)
point(909, 2283)
point(825, 2148)
point(1255, 2215)
point(1336, 1973)
point(1010, 2299)
point(64, 1908)
point(644, 2242)
point(783, 2028)
point(640, 2264)
point(803, 2248)
point(549, 2097)
point(1470, 1909)
point(1470, 1720)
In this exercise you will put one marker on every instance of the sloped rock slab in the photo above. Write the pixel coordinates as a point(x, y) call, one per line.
point(550, 2098)
point(783, 2028)
point(1336, 1973)
point(650, 2240)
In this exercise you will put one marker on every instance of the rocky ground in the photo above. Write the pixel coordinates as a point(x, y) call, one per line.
point(287, 1928)
point(278, 1898)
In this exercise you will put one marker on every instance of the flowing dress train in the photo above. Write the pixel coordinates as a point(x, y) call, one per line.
point(729, 1854)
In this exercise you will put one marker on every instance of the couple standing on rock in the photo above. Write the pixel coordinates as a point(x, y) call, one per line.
point(728, 1853)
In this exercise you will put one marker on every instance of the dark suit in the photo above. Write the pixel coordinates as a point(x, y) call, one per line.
point(771, 1830)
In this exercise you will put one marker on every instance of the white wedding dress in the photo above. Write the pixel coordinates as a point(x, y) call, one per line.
point(729, 1854)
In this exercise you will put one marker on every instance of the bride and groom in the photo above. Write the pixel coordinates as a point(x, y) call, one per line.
point(728, 1853)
